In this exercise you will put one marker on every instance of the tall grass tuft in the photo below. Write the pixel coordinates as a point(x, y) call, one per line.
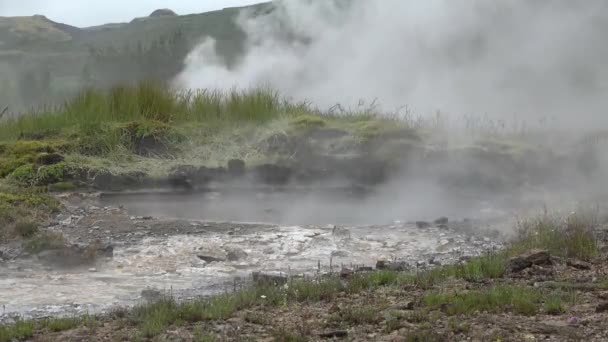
point(155, 102)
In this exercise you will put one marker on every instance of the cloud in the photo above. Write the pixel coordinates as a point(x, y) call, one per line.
point(529, 59)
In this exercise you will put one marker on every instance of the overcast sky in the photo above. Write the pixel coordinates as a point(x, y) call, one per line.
point(88, 13)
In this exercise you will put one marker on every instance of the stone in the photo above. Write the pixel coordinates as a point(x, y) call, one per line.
point(441, 221)
point(272, 174)
point(578, 264)
point(392, 265)
point(533, 257)
point(92, 270)
point(268, 279)
point(422, 224)
point(603, 307)
point(346, 273)
point(236, 167)
point(210, 259)
point(235, 254)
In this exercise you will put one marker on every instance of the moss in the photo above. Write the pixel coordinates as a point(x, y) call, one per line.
point(22, 153)
point(308, 121)
point(24, 174)
point(150, 137)
point(372, 129)
point(52, 174)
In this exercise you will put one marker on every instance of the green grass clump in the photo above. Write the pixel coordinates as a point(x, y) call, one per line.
point(572, 237)
point(516, 299)
point(14, 206)
point(45, 241)
point(20, 330)
point(24, 174)
point(62, 324)
point(357, 315)
point(26, 229)
point(283, 334)
point(308, 122)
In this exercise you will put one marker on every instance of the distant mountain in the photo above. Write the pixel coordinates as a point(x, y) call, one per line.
point(64, 58)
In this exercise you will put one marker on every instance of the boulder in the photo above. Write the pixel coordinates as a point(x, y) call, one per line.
point(422, 224)
point(235, 254)
point(272, 174)
point(441, 221)
point(578, 264)
point(525, 260)
point(392, 265)
point(236, 167)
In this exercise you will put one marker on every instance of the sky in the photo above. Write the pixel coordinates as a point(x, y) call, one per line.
point(89, 13)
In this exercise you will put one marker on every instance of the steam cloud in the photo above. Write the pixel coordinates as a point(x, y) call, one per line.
point(523, 59)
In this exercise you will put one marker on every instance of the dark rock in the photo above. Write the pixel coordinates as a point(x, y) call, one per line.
point(441, 221)
point(443, 226)
point(346, 273)
point(50, 159)
point(103, 180)
point(272, 174)
point(527, 259)
point(209, 259)
point(236, 167)
point(422, 224)
point(334, 334)
point(578, 264)
point(392, 266)
point(603, 307)
point(234, 254)
point(268, 279)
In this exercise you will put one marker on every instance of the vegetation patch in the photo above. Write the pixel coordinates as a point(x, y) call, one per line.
point(45, 241)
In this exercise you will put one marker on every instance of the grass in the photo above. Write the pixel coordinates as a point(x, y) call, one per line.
point(571, 237)
point(149, 101)
point(516, 299)
point(16, 205)
point(21, 330)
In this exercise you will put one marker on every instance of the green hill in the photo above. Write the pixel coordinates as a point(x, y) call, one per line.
point(42, 61)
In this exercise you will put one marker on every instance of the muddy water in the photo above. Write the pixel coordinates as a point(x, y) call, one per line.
point(176, 263)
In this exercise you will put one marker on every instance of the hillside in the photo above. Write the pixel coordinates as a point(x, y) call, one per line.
point(42, 60)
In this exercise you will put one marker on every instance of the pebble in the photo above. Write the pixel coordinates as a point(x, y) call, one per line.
point(92, 270)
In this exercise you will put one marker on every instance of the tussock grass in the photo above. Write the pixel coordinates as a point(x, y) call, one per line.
point(149, 101)
point(571, 237)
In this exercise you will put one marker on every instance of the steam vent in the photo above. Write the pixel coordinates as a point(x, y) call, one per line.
point(164, 12)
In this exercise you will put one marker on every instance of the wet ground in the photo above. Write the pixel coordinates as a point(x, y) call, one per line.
point(201, 244)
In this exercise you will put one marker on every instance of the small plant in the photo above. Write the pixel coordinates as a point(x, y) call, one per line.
point(62, 324)
point(256, 318)
point(45, 241)
point(520, 300)
point(458, 327)
point(554, 305)
point(285, 335)
point(357, 315)
point(20, 330)
point(26, 229)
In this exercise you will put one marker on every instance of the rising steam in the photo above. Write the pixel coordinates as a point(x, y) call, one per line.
point(529, 59)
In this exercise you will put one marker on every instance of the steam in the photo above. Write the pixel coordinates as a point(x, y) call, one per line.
point(526, 59)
